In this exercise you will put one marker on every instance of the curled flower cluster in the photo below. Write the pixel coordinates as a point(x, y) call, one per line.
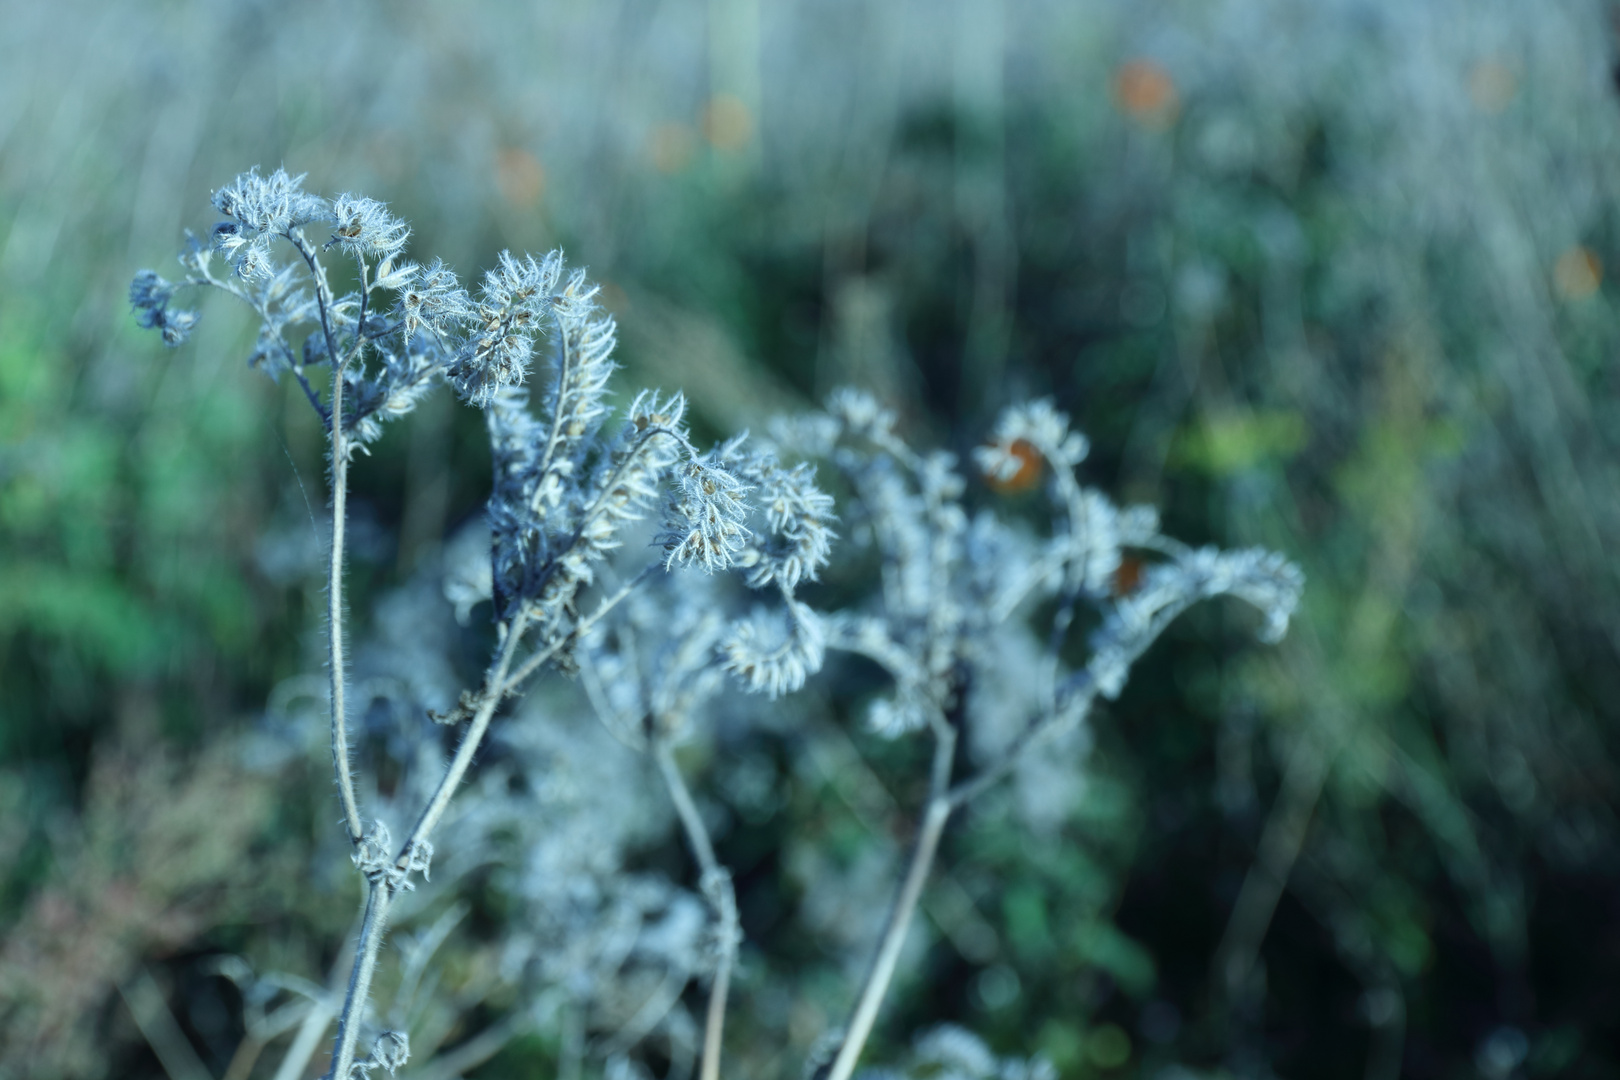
point(908, 504)
point(427, 298)
point(707, 517)
point(1261, 578)
point(772, 653)
point(797, 540)
point(1039, 425)
point(150, 294)
point(560, 502)
point(952, 585)
point(652, 672)
point(513, 302)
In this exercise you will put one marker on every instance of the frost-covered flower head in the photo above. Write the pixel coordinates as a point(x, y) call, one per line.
point(773, 652)
point(562, 491)
point(279, 273)
point(269, 204)
point(514, 303)
point(257, 210)
point(1039, 427)
point(430, 298)
point(364, 227)
point(707, 514)
point(953, 584)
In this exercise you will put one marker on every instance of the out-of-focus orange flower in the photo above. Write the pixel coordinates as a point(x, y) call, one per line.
point(727, 123)
point(1577, 273)
point(671, 147)
point(1128, 576)
point(1491, 85)
point(1145, 92)
point(1028, 474)
point(520, 176)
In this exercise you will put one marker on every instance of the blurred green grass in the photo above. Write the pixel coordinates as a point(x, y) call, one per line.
point(1324, 277)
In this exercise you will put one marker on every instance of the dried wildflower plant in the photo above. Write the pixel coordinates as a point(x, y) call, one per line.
point(565, 490)
point(957, 588)
point(575, 586)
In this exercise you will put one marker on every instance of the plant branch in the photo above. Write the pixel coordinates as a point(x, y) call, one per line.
point(309, 391)
point(323, 300)
point(383, 886)
point(642, 439)
point(334, 617)
point(717, 888)
point(1031, 737)
point(554, 436)
point(877, 982)
point(379, 897)
point(494, 689)
point(1281, 842)
point(263, 311)
point(358, 353)
point(334, 583)
point(535, 662)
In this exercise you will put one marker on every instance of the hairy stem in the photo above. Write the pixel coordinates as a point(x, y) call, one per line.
point(334, 583)
point(381, 894)
point(554, 436)
point(534, 663)
point(718, 888)
point(494, 686)
point(378, 900)
point(877, 982)
point(1062, 716)
point(334, 619)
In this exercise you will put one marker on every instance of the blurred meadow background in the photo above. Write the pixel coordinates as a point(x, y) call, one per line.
point(1333, 276)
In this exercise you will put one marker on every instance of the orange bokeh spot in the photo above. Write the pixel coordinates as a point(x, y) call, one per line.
point(1145, 92)
point(727, 123)
point(1577, 273)
point(1128, 576)
point(1491, 85)
point(520, 176)
point(1028, 474)
point(671, 147)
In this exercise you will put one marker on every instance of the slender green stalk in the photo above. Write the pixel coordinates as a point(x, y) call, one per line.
point(721, 895)
point(881, 974)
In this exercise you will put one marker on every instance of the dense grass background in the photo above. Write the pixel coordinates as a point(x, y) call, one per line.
point(1324, 276)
